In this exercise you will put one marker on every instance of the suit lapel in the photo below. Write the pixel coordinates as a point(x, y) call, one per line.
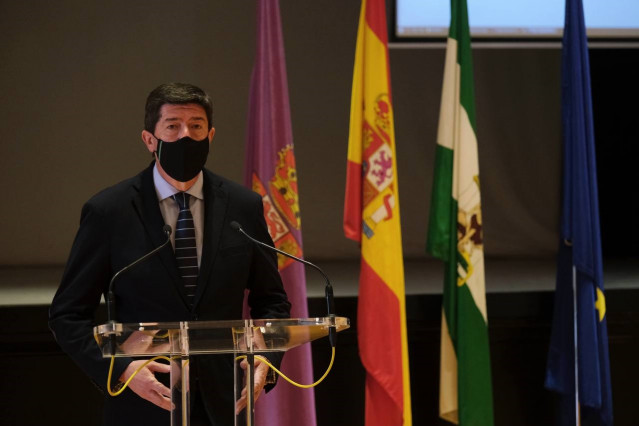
point(215, 206)
point(148, 209)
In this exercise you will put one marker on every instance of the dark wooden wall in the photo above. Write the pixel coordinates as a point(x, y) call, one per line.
point(41, 385)
point(73, 92)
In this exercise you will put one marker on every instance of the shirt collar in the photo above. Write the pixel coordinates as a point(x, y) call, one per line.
point(164, 190)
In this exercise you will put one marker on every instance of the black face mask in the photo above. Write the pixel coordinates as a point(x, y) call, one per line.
point(184, 158)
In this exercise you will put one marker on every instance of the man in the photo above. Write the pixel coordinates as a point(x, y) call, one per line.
point(203, 277)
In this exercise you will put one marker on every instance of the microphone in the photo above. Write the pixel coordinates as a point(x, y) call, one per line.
point(328, 289)
point(110, 299)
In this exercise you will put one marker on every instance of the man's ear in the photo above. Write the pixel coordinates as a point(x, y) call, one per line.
point(150, 141)
point(211, 134)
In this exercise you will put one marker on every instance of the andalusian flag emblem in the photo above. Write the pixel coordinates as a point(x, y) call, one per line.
point(455, 236)
point(371, 217)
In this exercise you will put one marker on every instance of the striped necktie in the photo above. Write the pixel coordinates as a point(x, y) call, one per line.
point(185, 248)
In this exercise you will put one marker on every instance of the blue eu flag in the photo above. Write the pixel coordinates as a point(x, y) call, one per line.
point(579, 263)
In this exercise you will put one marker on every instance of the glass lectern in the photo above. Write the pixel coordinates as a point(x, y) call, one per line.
point(180, 340)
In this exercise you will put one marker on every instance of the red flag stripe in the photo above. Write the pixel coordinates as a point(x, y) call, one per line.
point(353, 201)
point(376, 20)
point(379, 315)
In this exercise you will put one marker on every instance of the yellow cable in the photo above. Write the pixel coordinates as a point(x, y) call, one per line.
point(291, 381)
point(153, 333)
point(126, 384)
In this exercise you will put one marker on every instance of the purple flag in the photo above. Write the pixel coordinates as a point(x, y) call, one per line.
point(270, 171)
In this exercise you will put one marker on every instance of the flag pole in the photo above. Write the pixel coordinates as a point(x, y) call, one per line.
point(574, 318)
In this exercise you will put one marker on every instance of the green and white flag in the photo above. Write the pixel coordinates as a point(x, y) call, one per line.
point(455, 236)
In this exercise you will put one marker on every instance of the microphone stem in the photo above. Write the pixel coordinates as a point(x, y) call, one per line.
point(328, 290)
point(110, 296)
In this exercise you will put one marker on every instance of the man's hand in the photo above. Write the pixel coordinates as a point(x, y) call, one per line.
point(146, 385)
point(261, 370)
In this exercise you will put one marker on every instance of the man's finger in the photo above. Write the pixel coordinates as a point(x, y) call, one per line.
point(161, 389)
point(159, 367)
point(240, 404)
point(161, 401)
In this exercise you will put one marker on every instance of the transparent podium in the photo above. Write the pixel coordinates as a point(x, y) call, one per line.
point(180, 340)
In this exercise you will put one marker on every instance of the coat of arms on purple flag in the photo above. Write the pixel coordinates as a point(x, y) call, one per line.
point(270, 171)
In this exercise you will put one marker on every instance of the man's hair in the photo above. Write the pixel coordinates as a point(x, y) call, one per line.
point(178, 94)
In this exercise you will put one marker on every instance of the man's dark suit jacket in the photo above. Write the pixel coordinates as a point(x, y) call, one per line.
point(121, 224)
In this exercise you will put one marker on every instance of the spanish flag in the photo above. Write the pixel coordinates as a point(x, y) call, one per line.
point(371, 217)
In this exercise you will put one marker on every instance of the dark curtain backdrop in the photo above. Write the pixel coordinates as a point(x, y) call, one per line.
point(75, 75)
